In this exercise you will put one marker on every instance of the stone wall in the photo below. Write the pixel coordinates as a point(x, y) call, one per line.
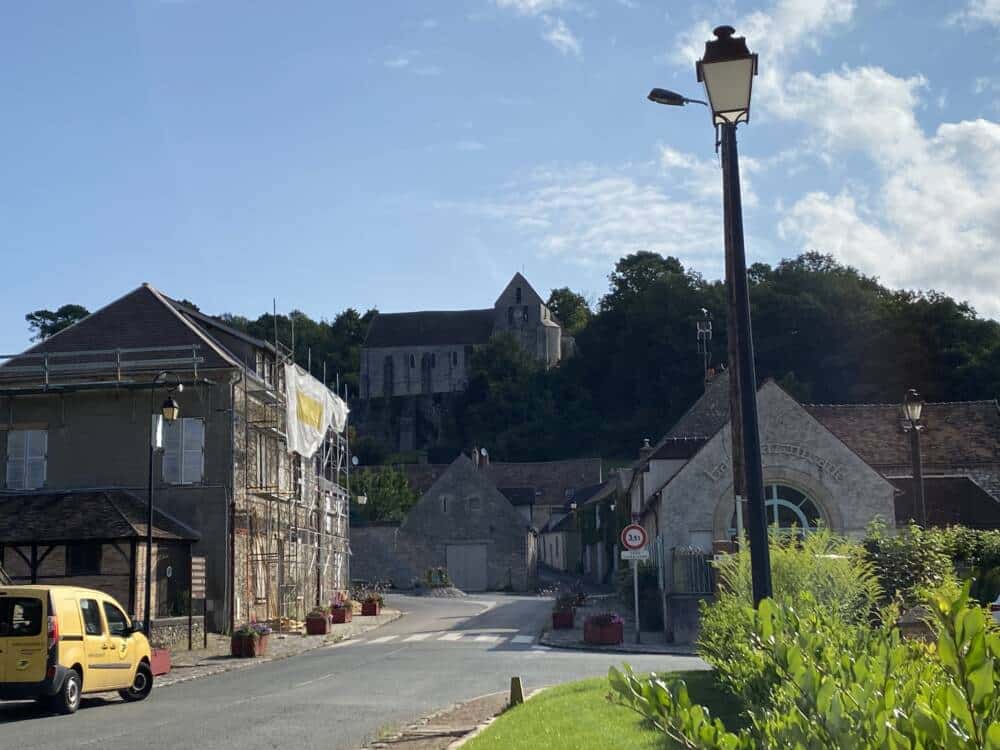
point(172, 632)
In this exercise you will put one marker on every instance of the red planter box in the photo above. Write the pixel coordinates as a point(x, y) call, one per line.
point(369, 609)
point(340, 616)
point(603, 635)
point(318, 625)
point(563, 619)
point(245, 646)
point(159, 661)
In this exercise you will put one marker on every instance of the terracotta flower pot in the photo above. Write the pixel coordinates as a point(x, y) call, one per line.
point(317, 624)
point(369, 609)
point(248, 647)
point(338, 616)
point(159, 661)
point(603, 635)
point(563, 619)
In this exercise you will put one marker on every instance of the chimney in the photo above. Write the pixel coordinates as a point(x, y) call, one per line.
point(646, 450)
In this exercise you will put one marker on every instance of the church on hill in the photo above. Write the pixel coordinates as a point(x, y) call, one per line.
point(428, 353)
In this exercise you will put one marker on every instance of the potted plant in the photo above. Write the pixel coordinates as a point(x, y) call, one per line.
point(250, 640)
point(564, 613)
point(318, 621)
point(606, 629)
point(371, 604)
point(340, 609)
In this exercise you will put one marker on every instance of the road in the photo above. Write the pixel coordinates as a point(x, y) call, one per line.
point(442, 652)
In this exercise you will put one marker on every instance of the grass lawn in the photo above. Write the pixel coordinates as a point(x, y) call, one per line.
point(576, 715)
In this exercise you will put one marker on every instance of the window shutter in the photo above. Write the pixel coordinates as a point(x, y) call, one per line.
point(193, 441)
point(172, 451)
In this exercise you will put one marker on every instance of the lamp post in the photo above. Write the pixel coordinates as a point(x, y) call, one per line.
point(727, 70)
point(913, 405)
point(169, 411)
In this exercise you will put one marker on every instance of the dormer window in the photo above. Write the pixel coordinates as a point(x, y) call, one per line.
point(517, 295)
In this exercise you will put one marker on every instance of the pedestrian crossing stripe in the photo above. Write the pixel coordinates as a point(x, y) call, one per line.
point(383, 639)
point(451, 637)
point(417, 637)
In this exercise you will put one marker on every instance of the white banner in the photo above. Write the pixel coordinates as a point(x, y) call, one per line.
point(311, 409)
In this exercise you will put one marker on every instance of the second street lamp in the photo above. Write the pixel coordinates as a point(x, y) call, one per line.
point(727, 70)
point(913, 407)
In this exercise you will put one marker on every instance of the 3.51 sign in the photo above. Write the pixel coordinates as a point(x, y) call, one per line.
point(634, 537)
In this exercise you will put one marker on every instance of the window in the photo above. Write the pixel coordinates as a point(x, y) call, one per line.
point(454, 359)
point(524, 314)
point(413, 362)
point(91, 617)
point(510, 315)
point(117, 621)
point(444, 504)
point(787, 508)
point(83, 559)
point(517, 295)
point(20, 616)
point(184, 451)
point(474, 504)
point(26, 454)
point(434, 360)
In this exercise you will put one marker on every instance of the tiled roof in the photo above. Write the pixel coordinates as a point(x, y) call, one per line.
point(954, 434)
point(519, 495)
point(82, 515)
point(950, 500)
point(438, 328)
point(707, 415)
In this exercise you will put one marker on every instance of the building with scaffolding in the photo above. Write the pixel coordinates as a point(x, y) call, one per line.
point(272, 525)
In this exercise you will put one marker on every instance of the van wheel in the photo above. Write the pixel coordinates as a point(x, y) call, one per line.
point(142, 684)
point(67, 700)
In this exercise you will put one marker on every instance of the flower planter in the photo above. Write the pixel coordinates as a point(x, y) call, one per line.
point(339, 616)
point(563, 619)
point(369, 609)
point(317, 624)
point(603, 635)
point(159, 661)
point(247, 647)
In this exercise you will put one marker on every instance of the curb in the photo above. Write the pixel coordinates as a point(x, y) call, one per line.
point(624, 648)
point(486, 724)
point(236, 664)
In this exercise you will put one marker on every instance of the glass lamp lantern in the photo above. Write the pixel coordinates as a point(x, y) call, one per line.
point(170, 410)
point(727, 70)
point(913, 406)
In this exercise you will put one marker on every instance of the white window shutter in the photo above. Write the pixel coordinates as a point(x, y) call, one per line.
point(194, 451)
point(172, 451)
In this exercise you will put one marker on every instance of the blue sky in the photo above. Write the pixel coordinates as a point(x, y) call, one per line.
point(414, 155)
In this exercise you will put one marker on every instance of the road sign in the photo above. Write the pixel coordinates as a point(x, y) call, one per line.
point(635, 554)
point(634, 537)
point(197, 577)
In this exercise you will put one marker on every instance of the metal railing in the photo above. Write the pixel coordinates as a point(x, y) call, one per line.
point(116, 363)
point(692, 571)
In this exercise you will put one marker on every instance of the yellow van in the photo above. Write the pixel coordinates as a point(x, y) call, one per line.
point(59, 642)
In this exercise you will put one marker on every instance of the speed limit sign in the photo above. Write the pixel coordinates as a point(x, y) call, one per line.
point(634, 537)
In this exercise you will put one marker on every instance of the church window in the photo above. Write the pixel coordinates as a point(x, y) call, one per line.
point(434, 360)
point(788, 508)
point(524, 314)
point(510, 315)
point(517, 295)
point(454, 359)
point(413, 362)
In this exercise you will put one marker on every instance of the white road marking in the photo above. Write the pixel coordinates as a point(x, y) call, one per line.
point(450, 637)
point(524, 639)
point(417, 637)
point(488, 638)
point(383, 639)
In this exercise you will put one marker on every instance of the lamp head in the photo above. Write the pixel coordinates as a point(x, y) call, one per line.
point(913, 406)
point(727, 70)
point(170, 410)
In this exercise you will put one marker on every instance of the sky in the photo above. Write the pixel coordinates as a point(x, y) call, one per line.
point(411, 155)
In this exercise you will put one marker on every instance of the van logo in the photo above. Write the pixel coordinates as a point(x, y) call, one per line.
point(22, 664)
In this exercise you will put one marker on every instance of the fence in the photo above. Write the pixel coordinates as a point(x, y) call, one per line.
point(692, 571)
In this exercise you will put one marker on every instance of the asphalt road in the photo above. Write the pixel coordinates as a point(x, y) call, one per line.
point(442, 652)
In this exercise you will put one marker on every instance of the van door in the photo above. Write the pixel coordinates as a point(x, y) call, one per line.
point(23, 646)
point(122, 646)
point(96, 647)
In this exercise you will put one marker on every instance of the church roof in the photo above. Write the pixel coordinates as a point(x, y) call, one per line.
point(430, 328)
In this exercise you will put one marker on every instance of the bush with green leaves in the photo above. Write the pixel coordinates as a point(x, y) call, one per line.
point(820, 573)
point(909, 562)
point(877, 692)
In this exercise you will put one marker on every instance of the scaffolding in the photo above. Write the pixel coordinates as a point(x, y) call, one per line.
point(296, 508)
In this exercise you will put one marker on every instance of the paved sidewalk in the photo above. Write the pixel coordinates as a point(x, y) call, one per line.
point(651, 642)
point(191, 665)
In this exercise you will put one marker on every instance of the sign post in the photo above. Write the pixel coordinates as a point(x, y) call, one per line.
point(634, 540)
point(196, 590)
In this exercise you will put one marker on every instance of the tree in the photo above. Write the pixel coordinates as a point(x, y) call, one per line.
point(389, 496)
point(45, 323)
point(571, 309)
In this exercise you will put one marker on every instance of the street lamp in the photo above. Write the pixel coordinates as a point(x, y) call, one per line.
point(727, 70)
point(169, 411)
point(913, 406)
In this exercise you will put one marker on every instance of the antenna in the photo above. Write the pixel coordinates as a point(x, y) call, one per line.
point(705, 340)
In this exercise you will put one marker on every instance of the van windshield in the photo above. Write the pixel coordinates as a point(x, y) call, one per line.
point(20, 616)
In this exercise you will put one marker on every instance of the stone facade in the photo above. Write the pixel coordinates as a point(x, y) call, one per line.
point(462, 509)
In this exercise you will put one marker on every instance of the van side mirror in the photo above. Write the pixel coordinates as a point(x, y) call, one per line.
point(138, 626)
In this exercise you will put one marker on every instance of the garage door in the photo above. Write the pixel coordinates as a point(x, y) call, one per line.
point(467, 566)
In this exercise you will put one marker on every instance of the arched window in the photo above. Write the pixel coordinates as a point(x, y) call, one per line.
point(524, 314)
point(413, 362)
point(517, 295)
point(786, 508)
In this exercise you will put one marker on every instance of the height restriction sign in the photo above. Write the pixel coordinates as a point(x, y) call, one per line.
point(634, 537)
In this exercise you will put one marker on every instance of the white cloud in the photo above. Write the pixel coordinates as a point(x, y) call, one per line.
point(558, 34)
point(397, 62)
point(978, 12)
point(531, 7)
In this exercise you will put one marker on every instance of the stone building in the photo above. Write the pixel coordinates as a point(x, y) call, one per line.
point(76, 412)
point(462, 523)
point(410, 362)
point(840, 466)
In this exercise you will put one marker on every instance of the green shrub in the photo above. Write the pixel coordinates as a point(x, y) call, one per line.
point(910, 561)
point(875, 691)
point(820, 573)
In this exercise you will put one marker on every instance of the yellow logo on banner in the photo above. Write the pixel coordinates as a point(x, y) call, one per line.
point(309, 410)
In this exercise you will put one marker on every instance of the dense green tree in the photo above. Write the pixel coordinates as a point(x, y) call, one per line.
point(44, 323)
point(570, 308)
point(388, 494)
